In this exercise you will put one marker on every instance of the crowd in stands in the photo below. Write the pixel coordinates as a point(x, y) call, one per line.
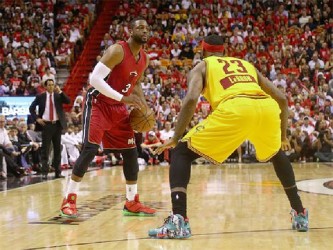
point(37, 37)
point(290, 42)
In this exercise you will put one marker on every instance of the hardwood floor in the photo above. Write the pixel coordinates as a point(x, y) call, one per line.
point(232, 206)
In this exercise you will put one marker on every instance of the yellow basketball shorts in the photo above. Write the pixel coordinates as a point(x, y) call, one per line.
point(234, 121)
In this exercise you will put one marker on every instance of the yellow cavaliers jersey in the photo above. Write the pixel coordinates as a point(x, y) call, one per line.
point(227, 77)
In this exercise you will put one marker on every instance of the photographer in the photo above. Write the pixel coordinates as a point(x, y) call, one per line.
point(324, 144)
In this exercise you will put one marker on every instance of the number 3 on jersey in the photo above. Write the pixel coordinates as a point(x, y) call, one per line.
point(127, 87)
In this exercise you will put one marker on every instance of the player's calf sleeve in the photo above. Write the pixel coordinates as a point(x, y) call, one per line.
point(180, 165)
point(285, 173)
point(130, 165)
point(179, 175)
point(179, 203)
point(82, 163)
point(283, 169)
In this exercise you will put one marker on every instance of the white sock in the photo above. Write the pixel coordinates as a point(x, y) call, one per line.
point(131, 191)
point(72, 187)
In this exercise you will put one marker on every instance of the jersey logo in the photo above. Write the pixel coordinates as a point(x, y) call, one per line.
point(134, 74)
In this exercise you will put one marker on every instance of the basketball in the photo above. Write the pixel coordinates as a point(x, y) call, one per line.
point(142, 120)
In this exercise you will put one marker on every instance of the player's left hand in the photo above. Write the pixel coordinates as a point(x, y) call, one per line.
point(133, 100)
point(167, 144)
point(285, 144)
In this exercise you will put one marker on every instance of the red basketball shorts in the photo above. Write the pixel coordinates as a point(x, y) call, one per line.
point(107, 124)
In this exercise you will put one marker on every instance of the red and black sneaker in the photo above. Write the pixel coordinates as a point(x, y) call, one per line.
point(136, 208)
point(68, 207)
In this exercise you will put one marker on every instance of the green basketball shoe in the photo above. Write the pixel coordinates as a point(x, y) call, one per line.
point(300, 222)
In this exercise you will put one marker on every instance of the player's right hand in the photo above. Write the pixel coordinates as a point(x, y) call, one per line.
point(133, 100)
point(285, 145)
point(167, 144)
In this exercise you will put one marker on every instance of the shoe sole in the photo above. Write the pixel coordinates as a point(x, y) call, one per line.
point(153, 235)
point(67, 216)
point(128, 213)
point(301, 229)
point(165, 237)
point(304, 229)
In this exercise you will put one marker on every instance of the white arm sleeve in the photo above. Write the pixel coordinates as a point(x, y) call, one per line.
point(97, 81)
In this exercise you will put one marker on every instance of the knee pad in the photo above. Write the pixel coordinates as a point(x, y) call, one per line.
point(87, 155)
point(130, 165)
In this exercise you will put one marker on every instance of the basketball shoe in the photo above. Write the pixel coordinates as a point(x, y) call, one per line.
point(136, 208)
point(174, 227)
point(156, 162)
point(300, 221)
point(68, 207)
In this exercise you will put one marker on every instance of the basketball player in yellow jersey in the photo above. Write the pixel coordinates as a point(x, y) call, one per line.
point(245, 105)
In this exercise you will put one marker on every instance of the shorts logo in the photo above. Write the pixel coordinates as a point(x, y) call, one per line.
point(199, 128)
point(131, 141)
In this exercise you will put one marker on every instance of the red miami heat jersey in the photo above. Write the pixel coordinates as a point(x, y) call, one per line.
point(124, 76)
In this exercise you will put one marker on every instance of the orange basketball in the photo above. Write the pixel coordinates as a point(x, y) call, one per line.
point(142, 120)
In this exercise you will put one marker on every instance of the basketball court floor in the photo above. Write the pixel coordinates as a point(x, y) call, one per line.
point(232, 206)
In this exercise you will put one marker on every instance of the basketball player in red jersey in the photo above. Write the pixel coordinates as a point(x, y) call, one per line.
point(106, 117)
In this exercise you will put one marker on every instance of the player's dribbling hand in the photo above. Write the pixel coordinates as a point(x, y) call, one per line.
point(285, 145)
point(167, 144)
point(132, 100)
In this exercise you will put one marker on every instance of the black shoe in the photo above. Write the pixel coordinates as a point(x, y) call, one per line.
point(36, 168)
point(44, 176)
point(59, 176)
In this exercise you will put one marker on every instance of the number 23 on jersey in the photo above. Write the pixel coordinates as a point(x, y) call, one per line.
point(235, 72)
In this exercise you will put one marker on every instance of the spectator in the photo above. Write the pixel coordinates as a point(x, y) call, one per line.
point(329, 64)
point(304, 18)
point(148, 147)
point(324, 145)
point(31, 147)
point(280, 81)
point(296, 147)
point(74, 34)
point(72, 145)
point(48, 75)
point(307, 127)
point(34, 82)
point(187, 52)
point(62, 55)
point(175, 52)
point(7, 152)
point(236, 38)
point(166, 134)
point(315, 60)
point(107, 41)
